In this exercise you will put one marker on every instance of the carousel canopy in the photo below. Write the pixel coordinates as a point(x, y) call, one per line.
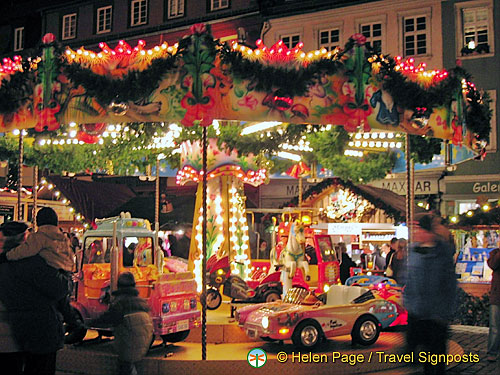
point(198, 80)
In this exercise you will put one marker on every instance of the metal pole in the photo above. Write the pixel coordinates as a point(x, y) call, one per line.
point(20, 215)
point(35, 197)
point(157, 193)
point(157, 251)
point(300, 192)
point(204, 253)
point(409, 189)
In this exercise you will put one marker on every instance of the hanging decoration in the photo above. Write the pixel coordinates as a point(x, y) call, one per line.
point(199, 80)
point(118, 108)
point(346, 206)
point(298, 170)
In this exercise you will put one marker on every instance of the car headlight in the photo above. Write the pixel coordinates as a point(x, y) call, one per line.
point(265, 322)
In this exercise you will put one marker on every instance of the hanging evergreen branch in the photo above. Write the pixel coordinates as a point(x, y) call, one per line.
point(16, 90)
point(411, 95)
point(134, 86)
point(266, 78)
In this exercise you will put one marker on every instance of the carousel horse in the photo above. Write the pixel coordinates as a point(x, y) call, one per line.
point(294, 256)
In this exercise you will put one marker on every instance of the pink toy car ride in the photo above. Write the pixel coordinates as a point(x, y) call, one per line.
point(306, 319)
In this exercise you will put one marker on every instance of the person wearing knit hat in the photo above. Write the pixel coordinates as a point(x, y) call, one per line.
point(129, 316)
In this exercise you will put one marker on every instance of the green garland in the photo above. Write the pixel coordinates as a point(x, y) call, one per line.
point(134, 86)
point(411, 95)
point(480, 217)
point(16, 90)
point(266, 78)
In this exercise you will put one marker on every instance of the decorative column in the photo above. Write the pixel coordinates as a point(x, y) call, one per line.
point(226, 223)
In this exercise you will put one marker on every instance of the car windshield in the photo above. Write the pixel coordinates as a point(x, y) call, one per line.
point(300, 296)
point(364, 297)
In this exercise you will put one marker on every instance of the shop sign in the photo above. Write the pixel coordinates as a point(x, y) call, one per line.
point(345, 228)
point(398, 185)
point(283, 188)
point(483, 187)
point(486, 187)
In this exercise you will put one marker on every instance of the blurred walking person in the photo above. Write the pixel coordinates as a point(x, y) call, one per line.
point(430, 289)
point(494, 334)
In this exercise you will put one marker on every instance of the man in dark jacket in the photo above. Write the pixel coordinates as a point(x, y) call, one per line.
point(128, 314)
point(494, 335)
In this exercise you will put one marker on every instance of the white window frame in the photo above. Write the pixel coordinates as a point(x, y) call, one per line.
point(175, 8)
point(329, 46)
point(69, 26)
point(18, 38)
point(140, 19)
point(101, 14)
point(492, 146)
point(415, 33)
point(219, 4)
point(290, 36)
point(372, 38)
point(460, 35)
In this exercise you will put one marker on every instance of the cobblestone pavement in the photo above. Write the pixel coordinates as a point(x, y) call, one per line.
point(473, 340)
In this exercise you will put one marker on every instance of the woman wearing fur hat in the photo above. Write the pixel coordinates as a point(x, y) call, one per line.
point(128, 314)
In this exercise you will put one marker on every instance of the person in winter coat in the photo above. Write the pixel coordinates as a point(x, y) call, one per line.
point(129, 316)
point(346, 263)
point(494, 334)
point(11, 355)
point(430, 289)
point(55, 248)
point(30, 302)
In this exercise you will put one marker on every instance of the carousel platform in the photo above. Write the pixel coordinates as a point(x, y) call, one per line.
point(227, 351)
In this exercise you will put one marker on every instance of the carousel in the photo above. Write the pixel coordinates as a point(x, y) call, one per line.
point(66, 98)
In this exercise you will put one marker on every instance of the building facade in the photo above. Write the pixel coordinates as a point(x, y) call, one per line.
point(88, 23)
point(471, 35)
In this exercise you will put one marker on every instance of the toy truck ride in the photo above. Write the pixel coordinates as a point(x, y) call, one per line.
point(121, 244)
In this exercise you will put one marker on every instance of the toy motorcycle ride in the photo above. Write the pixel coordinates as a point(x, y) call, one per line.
point(262, 287)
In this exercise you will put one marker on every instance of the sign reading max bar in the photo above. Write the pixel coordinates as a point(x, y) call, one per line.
point(398, 185)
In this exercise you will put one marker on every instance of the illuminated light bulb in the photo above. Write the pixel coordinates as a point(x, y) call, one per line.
point(453, 219)
point(364, 144)
point(371, 144)
point(486, 207)
point(392, 145)
point(470, 213)
point(398, 144)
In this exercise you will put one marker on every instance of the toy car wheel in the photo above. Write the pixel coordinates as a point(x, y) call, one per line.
point(175, 337)
point(365, 331)
point(72, 334)
point(271, 296)
point(214, 299)
point(307, 334)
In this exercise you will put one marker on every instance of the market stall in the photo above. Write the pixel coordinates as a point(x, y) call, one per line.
point(476, 233)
